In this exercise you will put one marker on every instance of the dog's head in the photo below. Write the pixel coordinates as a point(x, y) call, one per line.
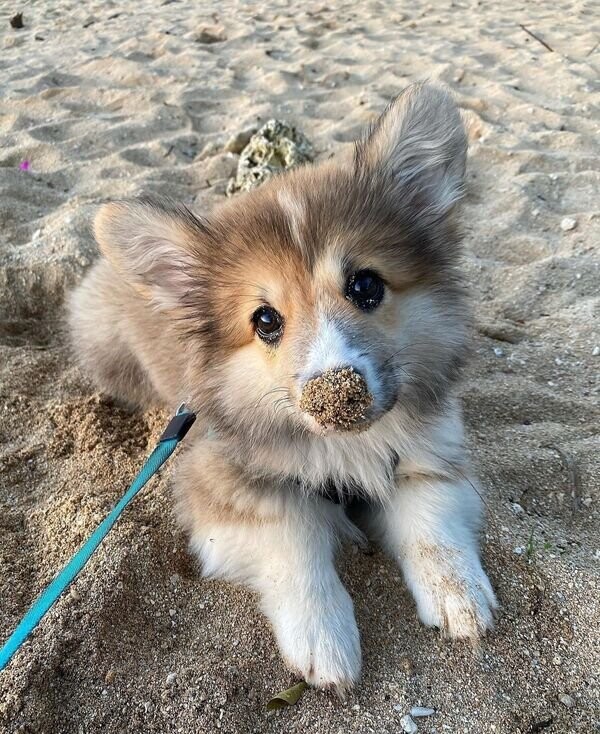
point(326, 297)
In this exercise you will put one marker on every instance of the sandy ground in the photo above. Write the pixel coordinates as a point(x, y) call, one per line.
point(103, 101)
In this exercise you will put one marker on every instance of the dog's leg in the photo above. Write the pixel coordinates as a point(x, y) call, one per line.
point(431, 529)
point(282, 545)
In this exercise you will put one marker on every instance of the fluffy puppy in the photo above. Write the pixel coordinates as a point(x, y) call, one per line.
point(317, 325)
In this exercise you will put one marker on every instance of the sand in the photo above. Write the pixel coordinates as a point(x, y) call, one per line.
point(109, 99)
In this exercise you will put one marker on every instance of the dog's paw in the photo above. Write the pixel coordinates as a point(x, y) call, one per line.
point(319, 639)
point(451, 590)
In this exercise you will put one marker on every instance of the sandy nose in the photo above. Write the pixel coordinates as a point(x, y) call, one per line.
point(337, 397)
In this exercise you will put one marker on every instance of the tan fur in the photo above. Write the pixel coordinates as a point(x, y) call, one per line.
point(167, 316)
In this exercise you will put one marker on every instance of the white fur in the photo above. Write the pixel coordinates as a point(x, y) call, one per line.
point(331, 350)
point(293, 206)
point(290, 563)
point(363, 459)
point(431, 529)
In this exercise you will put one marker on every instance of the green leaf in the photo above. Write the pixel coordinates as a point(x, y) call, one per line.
point(288, 697)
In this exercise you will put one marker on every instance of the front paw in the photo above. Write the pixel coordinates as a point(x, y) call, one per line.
point(318, 637)
point(451, 589)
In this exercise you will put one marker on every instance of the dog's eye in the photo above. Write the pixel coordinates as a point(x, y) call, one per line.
point(365, 289)
point(268, 324)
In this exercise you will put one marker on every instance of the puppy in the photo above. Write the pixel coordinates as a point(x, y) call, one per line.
point(318, 326)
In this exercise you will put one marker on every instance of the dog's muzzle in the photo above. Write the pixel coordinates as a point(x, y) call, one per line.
point(337, 398)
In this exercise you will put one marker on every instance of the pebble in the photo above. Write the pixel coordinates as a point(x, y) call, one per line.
point(567, 224)
point(171, 679)
point(596, 352)
point(213, 34)
point(498, 352)
point(566, 700)
point(517, 508)
point(408, 725)
point(420, 711)
point(110, 676)
point(407, 665)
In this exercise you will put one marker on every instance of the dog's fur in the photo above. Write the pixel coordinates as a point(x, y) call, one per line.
point(166, 316)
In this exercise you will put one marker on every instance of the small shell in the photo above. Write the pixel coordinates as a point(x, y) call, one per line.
point(420, 711)
point(408, 725)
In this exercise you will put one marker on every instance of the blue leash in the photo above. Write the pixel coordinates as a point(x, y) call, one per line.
point(178, 426)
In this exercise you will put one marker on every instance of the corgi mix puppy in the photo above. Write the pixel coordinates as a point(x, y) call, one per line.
point(317, 325)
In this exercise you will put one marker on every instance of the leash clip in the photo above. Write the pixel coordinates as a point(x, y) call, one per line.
point(179, 425)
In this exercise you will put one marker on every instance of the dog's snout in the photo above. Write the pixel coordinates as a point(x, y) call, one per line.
point(337, 397)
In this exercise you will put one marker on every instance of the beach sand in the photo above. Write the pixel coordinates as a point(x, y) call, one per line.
point(108, 99)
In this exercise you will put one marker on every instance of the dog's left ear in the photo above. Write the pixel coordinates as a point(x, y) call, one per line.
point(155, 245)
point(419, 147)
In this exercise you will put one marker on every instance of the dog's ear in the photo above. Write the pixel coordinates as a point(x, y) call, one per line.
point(155, 245)
point(419, 147)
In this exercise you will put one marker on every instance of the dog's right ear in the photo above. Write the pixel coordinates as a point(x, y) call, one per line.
point(418, 147)
point(155, 245)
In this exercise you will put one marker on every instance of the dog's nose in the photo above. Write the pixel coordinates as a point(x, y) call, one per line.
point(337, 397)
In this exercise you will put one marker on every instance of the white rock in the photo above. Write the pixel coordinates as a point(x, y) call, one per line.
point(567, 224)
point(420, 711)
point(498, 352)
point(408, 725)
point(566, 700)
point(171, 678)
point(596, 352)
point(517, 508)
